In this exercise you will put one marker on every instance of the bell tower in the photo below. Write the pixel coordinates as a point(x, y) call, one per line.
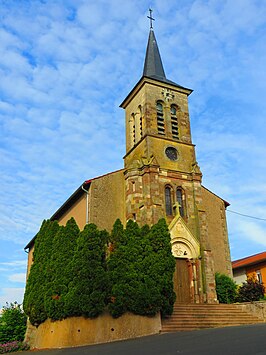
point(158, 143)
point(156, 107)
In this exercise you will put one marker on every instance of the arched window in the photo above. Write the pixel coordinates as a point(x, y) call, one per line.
point(180, 201)
point(168, 201)
point(160, 118)
point(174, 122)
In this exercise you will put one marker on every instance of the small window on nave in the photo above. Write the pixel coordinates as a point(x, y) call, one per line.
point(160, 118)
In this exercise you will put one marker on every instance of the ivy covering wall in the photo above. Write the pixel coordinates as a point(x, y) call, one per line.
point(83, 273)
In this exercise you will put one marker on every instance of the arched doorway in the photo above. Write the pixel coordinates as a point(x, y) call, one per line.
point(186, 250)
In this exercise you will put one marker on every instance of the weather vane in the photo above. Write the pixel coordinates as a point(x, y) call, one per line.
point(151, 18)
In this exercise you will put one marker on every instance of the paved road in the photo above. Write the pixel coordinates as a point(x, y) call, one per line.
point(245, 340)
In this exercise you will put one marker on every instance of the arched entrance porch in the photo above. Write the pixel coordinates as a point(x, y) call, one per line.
point(186, 250)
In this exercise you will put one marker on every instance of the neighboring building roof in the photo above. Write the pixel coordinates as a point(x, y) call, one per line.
point(249, 260)
point(73, 198)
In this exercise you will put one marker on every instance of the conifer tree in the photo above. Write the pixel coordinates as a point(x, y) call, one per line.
point(160, 265)
point(141, 271)
point(40, 273)
point(117, 234)
point(121, 268)
point(87, 291)
point(64, 244)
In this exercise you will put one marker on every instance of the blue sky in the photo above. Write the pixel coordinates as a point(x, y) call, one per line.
point(65, 66)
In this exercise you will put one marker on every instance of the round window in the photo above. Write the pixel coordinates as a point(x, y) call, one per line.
point(171, 153)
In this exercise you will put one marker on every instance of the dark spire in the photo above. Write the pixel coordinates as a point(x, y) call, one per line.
point(153, 66)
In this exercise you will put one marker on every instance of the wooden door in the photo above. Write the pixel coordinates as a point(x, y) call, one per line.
point(182, 282)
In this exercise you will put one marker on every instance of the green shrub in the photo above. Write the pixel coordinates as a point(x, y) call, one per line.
point(226, 288)
point(12, 323)
point(251, 290)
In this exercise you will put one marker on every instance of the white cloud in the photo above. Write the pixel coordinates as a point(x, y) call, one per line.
point(14, 263)
point(11, 295)
point(21, 277)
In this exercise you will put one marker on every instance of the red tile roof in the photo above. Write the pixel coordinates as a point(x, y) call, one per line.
point(249, 260)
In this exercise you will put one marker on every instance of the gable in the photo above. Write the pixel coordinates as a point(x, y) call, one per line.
point(184, 244)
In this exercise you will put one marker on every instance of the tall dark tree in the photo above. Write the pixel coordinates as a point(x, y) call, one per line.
point(160, 265)
point(117, 234)
point(87, 292)
point(121, 267)
point(40, 273)
point(64, 244)
point(141, 271)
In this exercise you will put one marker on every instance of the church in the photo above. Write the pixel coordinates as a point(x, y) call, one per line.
point(160, 179)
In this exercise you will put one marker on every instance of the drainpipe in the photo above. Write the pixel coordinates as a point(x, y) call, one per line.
point(87, 204)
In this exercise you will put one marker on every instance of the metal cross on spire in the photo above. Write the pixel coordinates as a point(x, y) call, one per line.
point(151, 18)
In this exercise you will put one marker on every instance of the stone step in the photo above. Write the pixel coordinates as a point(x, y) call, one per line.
point(208, 314)
point(202, 316)
point(203, 312)
point(207, 308)
point(184, 328)
point(209, 321)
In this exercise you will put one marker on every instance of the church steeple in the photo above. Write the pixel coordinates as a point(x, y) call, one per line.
point(153, 66)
